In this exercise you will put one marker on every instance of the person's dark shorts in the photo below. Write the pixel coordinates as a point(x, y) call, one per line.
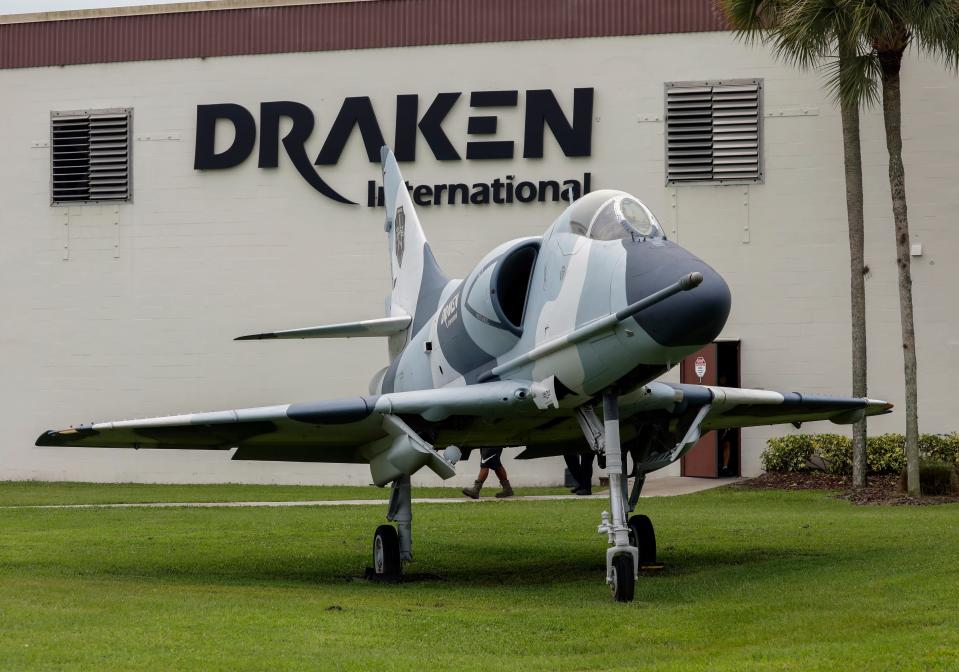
point(490, 458)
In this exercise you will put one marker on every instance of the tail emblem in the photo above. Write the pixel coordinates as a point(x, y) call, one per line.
point(399, 235)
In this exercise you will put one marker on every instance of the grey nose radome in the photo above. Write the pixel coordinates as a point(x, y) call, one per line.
point(693, 317)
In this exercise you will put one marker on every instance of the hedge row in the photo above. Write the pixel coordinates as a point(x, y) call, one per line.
point(885, 453)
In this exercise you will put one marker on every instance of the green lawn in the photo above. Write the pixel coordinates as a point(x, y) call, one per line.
point(754, 580)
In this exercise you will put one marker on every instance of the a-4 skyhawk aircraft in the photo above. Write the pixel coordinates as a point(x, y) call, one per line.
point(545, 336)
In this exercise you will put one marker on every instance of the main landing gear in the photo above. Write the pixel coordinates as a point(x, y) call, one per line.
point(632, 543)
point(392, 546)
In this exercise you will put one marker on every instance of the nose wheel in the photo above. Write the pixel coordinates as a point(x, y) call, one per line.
point(643, 537)
point(622, 580)
point(386, 552)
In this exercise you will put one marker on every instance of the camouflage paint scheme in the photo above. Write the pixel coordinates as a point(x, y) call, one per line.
point(500, 358)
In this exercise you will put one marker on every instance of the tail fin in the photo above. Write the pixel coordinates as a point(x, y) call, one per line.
point(417, 279)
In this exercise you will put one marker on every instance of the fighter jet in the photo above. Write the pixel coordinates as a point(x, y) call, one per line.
point(553, 343)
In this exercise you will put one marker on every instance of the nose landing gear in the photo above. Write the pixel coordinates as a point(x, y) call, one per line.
point(633, 543)
point(622, 560)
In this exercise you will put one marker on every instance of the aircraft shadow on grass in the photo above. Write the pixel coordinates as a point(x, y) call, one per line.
point(704, 573)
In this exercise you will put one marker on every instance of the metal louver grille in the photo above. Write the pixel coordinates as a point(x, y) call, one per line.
point(90, 155)
point(713, 132)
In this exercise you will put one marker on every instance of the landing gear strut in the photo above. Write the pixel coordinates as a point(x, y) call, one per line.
point(622, 559)
point(394, 546)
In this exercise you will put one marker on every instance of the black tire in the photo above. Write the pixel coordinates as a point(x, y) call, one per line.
point(386, 551)
point(624, 579)
point(643, 537)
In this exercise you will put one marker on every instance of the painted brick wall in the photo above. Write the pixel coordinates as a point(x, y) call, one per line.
point(206, 257)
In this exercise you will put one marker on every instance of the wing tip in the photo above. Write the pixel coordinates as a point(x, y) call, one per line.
point(46, 439)
point(255, 337)
point(63, 437)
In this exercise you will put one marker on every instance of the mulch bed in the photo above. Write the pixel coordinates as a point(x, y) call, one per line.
point(878, 490)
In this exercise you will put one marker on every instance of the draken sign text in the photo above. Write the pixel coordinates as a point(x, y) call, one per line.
point(573, 134)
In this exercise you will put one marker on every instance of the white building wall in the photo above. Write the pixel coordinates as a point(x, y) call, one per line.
point(139, 319)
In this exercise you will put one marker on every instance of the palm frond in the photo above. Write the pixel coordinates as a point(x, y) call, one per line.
point(853, 79)
point(808, 31)
point(880, 22)
point(751, 20)
point(935, 28)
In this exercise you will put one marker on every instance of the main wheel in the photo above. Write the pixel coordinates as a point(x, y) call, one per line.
point(624, 578)
point(386, 551)
point(643, 537)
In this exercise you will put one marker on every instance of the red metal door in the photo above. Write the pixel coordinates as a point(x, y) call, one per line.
point(703, 459)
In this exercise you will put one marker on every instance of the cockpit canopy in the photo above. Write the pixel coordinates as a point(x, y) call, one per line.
point(610, 215)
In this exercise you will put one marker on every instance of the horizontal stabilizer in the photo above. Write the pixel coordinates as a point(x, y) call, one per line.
point(383, 326)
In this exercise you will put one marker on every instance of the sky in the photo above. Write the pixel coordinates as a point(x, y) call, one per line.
point(29, 6)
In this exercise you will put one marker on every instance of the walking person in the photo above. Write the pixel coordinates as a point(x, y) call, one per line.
point(490, 459)
point(580, 465)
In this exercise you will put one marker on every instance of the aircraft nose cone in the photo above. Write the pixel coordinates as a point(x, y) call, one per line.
point(695, 317)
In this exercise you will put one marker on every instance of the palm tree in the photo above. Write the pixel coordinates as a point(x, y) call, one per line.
point(813, 34)
point(891, 27)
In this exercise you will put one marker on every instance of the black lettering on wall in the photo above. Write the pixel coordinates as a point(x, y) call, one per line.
point(486, 125)
point(552, 186)
point(542, 109)
point(423, 194)
point(205, 156)
point(293, 142)
point(356, 111)
point(458, 190)
point(270, 115)
point(431, 126)
point(404, 142)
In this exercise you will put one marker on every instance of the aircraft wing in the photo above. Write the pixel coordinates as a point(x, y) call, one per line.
point(726, 407)
point(744, 407)
point(340, 430)
point(680, 414)
point(381, 326)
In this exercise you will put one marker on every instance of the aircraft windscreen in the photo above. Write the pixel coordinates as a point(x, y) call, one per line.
point(624, 219)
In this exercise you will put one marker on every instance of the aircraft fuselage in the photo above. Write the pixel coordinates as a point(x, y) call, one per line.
point(531, 291)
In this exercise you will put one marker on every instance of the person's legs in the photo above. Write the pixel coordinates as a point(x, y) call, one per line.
point(727, 450)
point(494, 462)
point(572, 463)
point(489, 459)
point(586, 471)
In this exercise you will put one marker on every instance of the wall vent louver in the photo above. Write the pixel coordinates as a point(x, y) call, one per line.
point(714, 132)
point(90, 156)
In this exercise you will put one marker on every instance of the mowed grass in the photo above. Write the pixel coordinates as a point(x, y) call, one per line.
point(754, 580)
point(40, 493)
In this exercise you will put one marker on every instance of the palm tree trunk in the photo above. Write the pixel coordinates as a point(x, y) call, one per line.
point(890, 63)
point(852, 156)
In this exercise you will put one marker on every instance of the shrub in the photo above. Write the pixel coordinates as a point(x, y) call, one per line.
point(794, 452)
point(885, 453)
point(942, 448)
point(788, 453)
point(934, 479)
point(835, 450)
